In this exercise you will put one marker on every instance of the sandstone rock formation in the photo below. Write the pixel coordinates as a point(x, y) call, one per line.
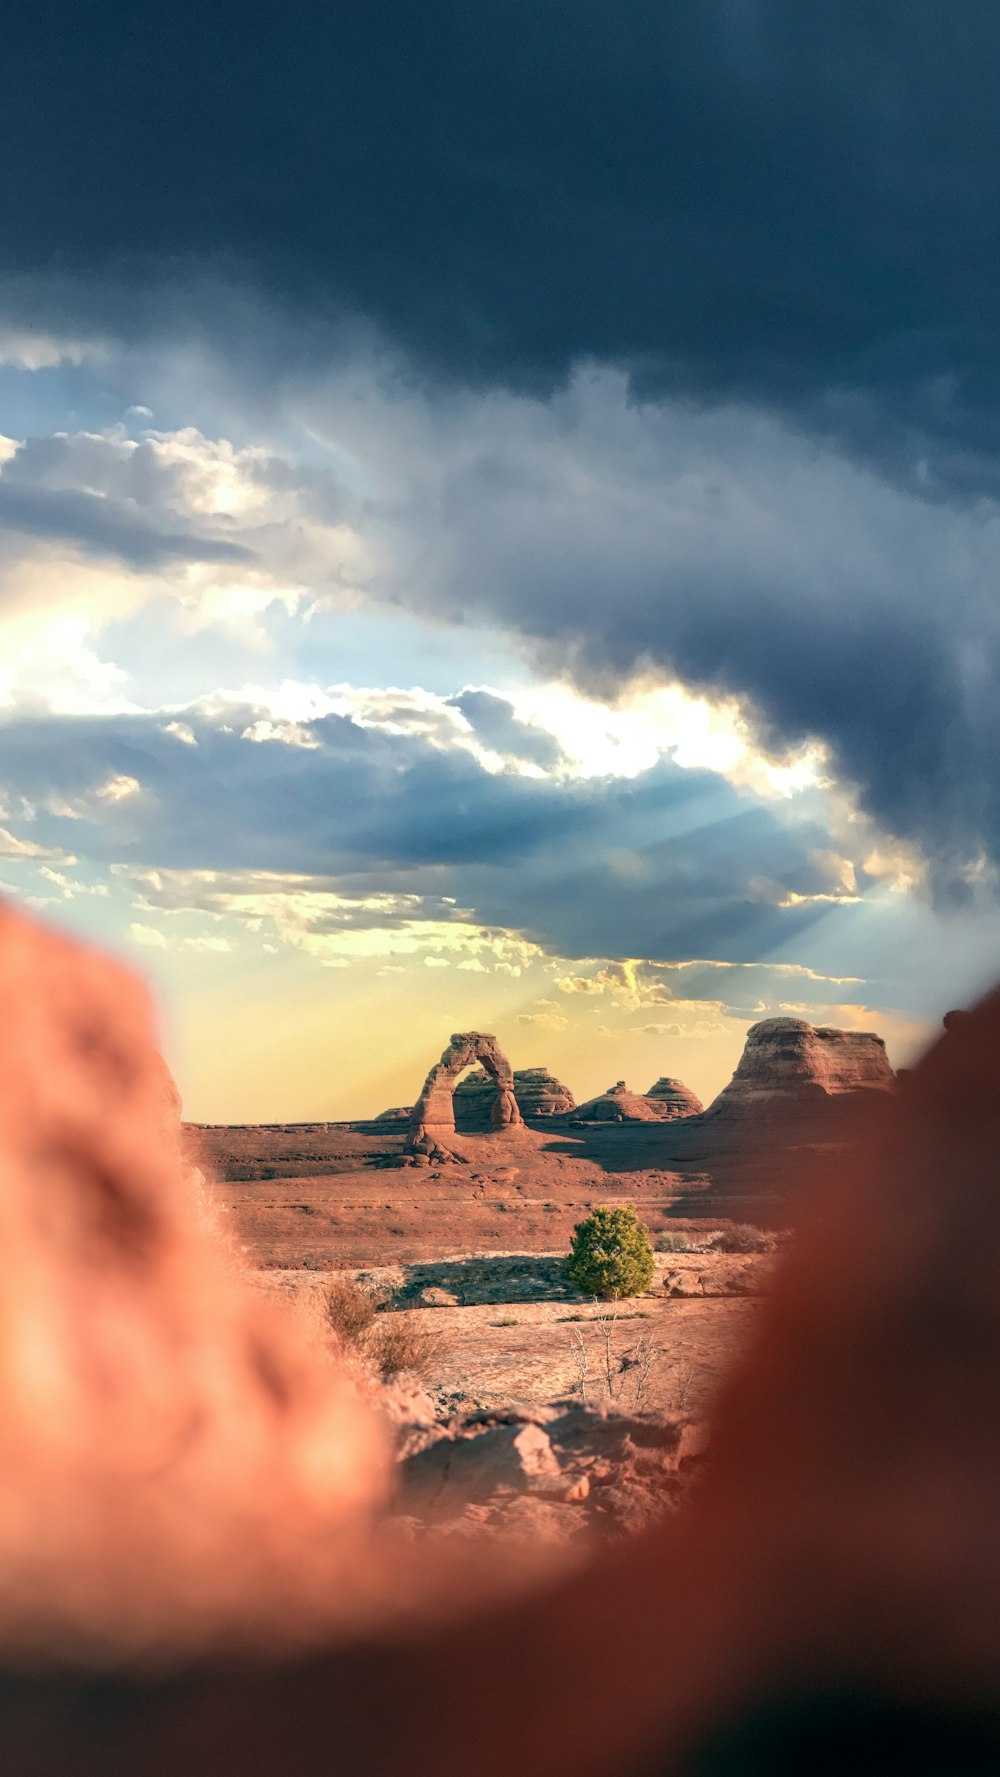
point(789, 1065)
point(618, 1105)
point(175, 1464)
point(399, 1113)
point(434, 1114)
point(538, 1094)
point(678, 1099)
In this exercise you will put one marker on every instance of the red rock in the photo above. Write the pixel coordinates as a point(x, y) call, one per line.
point(434, 1114)
point(618, 1105)
point(443, 1478)
point(538, 1094)
point(788, 1064)
point(175, 1464)
point(678, 1099)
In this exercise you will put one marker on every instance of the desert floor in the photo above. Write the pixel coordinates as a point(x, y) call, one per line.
point(504, 1330)
point(472, 1251)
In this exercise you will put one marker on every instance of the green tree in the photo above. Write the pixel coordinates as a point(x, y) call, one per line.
point(610, 1254)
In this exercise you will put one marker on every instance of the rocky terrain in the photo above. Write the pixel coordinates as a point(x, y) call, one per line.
point(222, 1548)
point(464, 1221)
point(506, 1329)
point(401, 1188)
point(558, 1474)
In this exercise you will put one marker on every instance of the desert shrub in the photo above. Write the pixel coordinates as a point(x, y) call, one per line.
point(389, 1342)
point(401, 1343)
point(610, 1254)
point(350, 1310)
point(743, 1238)
point(673, 1241)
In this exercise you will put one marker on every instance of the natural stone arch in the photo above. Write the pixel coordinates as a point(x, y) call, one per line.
point(434, 1111)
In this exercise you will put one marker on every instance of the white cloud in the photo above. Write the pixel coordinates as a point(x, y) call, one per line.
point(99, 800)
point(98, 523)
point(26, 350)
point(147, 936)
point(68, 888)
point(13, 847)
point(701, 1027)
point(544, 1020)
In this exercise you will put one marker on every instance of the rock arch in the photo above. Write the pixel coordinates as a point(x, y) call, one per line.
point(434, 1111)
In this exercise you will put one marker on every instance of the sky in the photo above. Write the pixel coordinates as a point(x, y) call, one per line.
point(499, 520)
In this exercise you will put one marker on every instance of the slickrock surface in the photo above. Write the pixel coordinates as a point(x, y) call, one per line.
point(788, 1062)
point(509, 1331)
point(679, 1100)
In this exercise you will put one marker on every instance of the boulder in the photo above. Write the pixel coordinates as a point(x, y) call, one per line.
point(456, 1471)
point(600, 1469)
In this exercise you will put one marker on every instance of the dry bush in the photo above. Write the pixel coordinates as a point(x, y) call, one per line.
point(743, 1238)
point(392, 1343)
point(350, 1311)
point(403, 1343)
point(673, 1241)
point(619, 1373)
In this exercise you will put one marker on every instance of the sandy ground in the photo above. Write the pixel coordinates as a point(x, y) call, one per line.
point(474, 1251)
point(533, 1339)
point(323, 1198)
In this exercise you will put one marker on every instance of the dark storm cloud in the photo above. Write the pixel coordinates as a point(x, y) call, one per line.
point(667, 866)
point(756, 201)
point(719, 547)
point(497, 726)
point(749, 196)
